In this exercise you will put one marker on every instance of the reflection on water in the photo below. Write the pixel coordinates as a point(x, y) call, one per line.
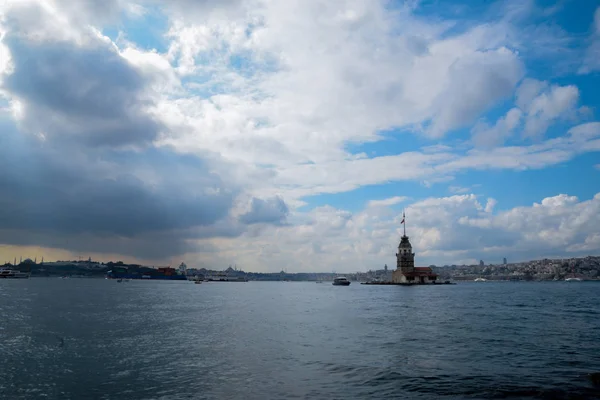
point(73, 339)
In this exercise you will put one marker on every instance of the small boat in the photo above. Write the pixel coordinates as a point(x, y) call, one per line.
point(573, 277)
point(480, 280)
point(341, 281)
point(197, 282)
point(119, 280)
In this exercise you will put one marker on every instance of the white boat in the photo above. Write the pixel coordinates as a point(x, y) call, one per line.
point(341, 281)
point(480, 280)
point(12, 274)
point(573, 277)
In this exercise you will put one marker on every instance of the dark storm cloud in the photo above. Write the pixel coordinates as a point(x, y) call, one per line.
point(78, 170)
point(87, 200)
point(87, 94)
point(270, 211)
point(144, 246)
point(48, 188)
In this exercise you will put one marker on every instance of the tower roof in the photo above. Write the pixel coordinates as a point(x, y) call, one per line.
point(404, 242)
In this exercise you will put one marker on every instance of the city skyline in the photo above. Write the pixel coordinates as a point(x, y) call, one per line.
point(281, 135)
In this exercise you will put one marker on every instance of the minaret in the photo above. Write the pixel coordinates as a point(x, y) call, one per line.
point(405, 258)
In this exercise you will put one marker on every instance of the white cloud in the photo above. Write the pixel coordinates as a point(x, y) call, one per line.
point(462, 189)
point(543, 104)
point(539, 105)
point(591, 244)
point(557, 102)
point(155, 67)
point(491, 76)
point(47, 21)
point(591, 61)
point(458, 189)
point(316, 81)
point(445, 230)
point(586, 131)
point(429, 182)
point(491, 136)
point(489, 206)
point(334, 177)
point(387, 202)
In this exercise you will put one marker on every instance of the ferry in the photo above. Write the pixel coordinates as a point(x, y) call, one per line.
point(12, 274)
point(341, 281)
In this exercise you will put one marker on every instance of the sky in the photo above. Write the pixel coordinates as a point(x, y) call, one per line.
point(292, 135)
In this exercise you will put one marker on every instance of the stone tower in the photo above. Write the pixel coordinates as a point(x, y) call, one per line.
point(405, 258)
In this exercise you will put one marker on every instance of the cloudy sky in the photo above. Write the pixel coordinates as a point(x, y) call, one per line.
point(291, 134)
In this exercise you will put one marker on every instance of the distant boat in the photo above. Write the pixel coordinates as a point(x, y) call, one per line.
point(12, 274)
point(573, 277)
point(341, 281)
point(224, 277)
point(480, 280)
point(197, 282)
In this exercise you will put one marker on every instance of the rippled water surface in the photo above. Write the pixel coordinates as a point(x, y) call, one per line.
point(99, 339)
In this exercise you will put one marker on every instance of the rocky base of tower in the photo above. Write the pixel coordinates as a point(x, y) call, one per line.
point(421, 275)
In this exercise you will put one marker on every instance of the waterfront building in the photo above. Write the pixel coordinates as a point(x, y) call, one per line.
point(406, 272)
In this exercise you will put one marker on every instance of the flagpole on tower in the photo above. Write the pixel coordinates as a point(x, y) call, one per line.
point(404, 222)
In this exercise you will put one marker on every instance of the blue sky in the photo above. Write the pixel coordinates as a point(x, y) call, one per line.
point(254, 132)
point(577, 176)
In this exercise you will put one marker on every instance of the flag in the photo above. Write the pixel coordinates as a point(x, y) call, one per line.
point(402, 220)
